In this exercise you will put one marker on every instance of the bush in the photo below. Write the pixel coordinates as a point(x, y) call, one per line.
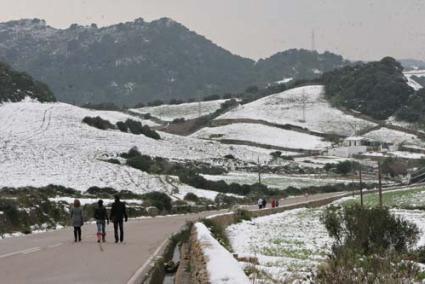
point(344, 167)
point(122, 126)
point(158, 199)
point(371, 245)
point(369, 230)
point(394, 166)
point(98, 122)
point(101, 191)
point(191, 197)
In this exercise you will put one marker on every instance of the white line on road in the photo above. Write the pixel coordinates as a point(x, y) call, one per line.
point(31, 250)
point(136, 277)
point(28, 251)
point(55, 245)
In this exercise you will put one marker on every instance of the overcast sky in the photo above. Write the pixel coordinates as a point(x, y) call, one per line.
point(356, 29)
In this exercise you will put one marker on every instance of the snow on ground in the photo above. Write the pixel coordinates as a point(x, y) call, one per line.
point(276, 181)
point(287, 108)
point(395, 154)
point(47, 143)
point(410, 81)
point(186, 110)
point(263, 134)
point(288, 245)
point(222, 267)
point(394, 137)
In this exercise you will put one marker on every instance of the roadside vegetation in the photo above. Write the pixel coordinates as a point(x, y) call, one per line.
point(371, 245)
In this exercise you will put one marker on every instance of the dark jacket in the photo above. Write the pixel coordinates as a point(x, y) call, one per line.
point(118, 212)
point(100, 214)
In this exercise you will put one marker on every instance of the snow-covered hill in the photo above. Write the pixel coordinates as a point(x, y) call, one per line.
point(186, 110)
point(288, 108)
point(263, 134)
point(43, 144)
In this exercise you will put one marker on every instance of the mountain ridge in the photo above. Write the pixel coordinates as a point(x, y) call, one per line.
point(140, 61)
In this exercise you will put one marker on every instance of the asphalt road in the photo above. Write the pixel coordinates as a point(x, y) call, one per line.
point(53, 257)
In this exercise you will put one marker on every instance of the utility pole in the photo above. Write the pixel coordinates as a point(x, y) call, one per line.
point(259, 171)
point(313, 40)
point(199, 104)
point(304, 102)
point(380, 183)
point(361, 185)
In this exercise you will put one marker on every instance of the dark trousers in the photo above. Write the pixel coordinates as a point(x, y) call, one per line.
point(119, 224)
point(77, 233)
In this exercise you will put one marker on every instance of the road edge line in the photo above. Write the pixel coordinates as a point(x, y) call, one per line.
point(137, 277)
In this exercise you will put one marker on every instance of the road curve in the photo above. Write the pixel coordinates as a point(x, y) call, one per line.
point(53, 257)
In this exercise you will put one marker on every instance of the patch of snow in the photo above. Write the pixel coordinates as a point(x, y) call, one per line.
point(185, 110)
point(221, 265)
point(263, 134)
point(42, 144)
point(287, 108)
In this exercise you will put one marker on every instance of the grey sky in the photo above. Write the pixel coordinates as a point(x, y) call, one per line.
point(357, 29)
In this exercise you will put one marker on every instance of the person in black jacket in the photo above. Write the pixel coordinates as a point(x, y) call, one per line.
point(101, 217)
point(118, 214)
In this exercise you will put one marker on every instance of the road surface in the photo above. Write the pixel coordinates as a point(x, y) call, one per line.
point(53, 257)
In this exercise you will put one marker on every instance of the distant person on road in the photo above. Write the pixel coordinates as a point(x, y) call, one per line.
point(277, 203)
point(273, 203)
point(101, 216)
point(260, 203)
point(77, 219)
point(118, 214)
point(264, 203)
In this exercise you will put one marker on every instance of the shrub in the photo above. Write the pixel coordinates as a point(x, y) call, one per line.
point(344, 167)
point(191, 197)
point(158, 199)
point(122, 126)
point(369, 230)
point(371, 244)
point(98, 122)
point(101, 191)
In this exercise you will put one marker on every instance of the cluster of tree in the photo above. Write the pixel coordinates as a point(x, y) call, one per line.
point(131, 126)
point(377, 89)
point(414, 109)
point(103, 106)
point(15, 86)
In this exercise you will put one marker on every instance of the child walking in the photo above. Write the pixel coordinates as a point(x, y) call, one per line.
point(101, 217)
point(77, 219)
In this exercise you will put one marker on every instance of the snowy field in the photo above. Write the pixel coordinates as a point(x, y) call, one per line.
point(288, 245)
point(45, 144)
point(276, 181)
point(411, 82)
point(263, 134)
point(186, 110)
point(287, 108)
point(394, 137)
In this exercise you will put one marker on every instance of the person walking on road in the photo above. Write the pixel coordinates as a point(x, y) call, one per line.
point(264, 203)
point(118, 214)
point(101, 216)
point(77, 219)
point(260, 203)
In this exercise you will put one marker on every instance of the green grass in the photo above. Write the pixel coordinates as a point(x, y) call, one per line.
point(408, 199)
